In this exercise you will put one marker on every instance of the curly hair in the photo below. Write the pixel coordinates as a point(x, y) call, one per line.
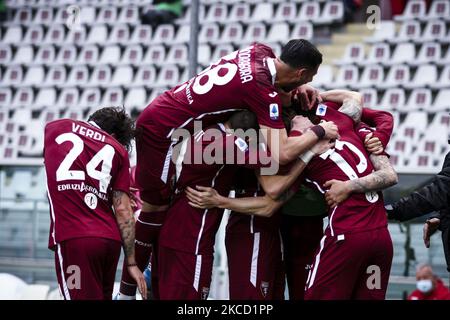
point(116, 122)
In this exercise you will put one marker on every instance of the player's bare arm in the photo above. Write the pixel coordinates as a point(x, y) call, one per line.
point(286, 149)
point(275, 185)
point(384, 177)
point(125, 221)
point(263, 206)
point(352, 102)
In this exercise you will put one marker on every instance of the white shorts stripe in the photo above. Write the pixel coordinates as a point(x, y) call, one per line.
point(198, 270)
point(149, 223)
point(313, 272)
point(331, 221)
point(255, 255)
point(65, 289)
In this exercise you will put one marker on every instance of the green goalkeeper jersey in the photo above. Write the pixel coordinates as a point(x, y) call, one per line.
point(306, 202)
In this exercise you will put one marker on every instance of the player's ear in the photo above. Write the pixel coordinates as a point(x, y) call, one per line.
point(300, 72)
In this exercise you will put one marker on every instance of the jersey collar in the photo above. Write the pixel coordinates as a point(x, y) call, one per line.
point(94, 124)
point(272, 69)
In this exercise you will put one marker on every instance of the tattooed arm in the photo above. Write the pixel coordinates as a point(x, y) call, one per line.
point(264, 206)
point(351, 102)
point(125, 220)
point(384, 177)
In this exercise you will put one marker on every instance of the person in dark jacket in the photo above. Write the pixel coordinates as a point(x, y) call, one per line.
point(435, 196)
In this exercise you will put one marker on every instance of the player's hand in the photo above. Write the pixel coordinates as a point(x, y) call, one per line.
point(308, 96)
point(135, 201)
point(138, 276)
point(373, 144)
point(203, 197)
point(323, 146)
point(337, 193)
point(331, 130)
point(429, 229)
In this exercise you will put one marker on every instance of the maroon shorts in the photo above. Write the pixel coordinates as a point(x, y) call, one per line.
point(86, 268)
point(301, 237)
point(351, 266)
point(184, 276)
point(255, 266)
point(154, 166)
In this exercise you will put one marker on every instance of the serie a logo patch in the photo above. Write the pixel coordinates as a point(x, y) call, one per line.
point(274, 111)
point(264, 288)
point(321, 110)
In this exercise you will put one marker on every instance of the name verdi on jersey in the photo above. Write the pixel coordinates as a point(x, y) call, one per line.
point(77, 128)
point(244, 63)
point(82, 187)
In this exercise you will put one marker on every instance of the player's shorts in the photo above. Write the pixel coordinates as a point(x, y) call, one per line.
point(301, 237)
point(184, 276)
point(154, 167)
point(255, 266)
point(86, 268)
point(351, 266)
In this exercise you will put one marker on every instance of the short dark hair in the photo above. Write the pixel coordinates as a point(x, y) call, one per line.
point(115, 121)
point(243, 120)
point(300, 53)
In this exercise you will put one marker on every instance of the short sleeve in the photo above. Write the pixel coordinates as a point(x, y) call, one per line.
point(265, 103)
point(122, 179)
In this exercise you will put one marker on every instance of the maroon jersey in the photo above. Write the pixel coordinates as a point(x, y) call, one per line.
point(349, 160)
point(193, 230)
point(84, 165)
point(243, 79)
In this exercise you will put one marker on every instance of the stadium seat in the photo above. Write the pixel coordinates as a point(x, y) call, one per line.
point(88, 55)
point(439, 9)
point(34, 76)
point(23, 16)
point(23, 97)
point(347, 76)
point(183, 34)
point(333, 11)
point(101, 76)
point(409, 31)
point(418, 99)
point(324, 77)
point(429, 145)
point(209, 33)
point(113, 97)
point(44, 16)
point(385, 31)
point(426, 75)
point(178, 54)
point(309, 11)
point(429, 52)
point(88, 15)
point(61, 15)
point(156, 54)
point(132, 55)
point(354, 54)
point(78, 76)
point(204, 54)
point(5, 54)
point(444, 79)
point(372, 76)
point(5, 98)
point(129, 15)
point(415, 9)
point(442, 100)
point(398, 75)
point(287, 11)
point(68, 97)
point(232, 33)
point(302, 30)
point(67, 55)
point(56, 76)
point(440, 123)
point(55, 34)
point(163, 34)
point(77, 36)
point(445, 60)
point(217, 12)
point(120, 34)
point(393, 98)
point(413, 126)
point(263, 11)
point(278, 32)
point(136, 98)
point(239, 12)
point(186, 19)
point(220, 51)
point(141, 34)
point(255, 32)
point(168, 76)
point(45, 98)
point(24, 55)
point(122, 76)
point(370, 98)
point(13, 76)
point(434, 30)
point(73, 113)
point(98, 34)
point(45, 55)
point(21, 116)
point(34, 35)
point(145, 76)
point(403, 53)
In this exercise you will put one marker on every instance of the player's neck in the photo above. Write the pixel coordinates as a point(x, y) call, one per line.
point(283, 74)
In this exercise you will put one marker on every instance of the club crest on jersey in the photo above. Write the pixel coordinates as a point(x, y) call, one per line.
point(274, 111)
point(241, 144)
point(205, 293)
point(264, 288)
point(321, 110)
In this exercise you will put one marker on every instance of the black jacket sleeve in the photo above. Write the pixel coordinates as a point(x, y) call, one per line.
point(433, 197)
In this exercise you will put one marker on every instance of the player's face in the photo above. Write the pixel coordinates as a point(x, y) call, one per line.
point(301, 77)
